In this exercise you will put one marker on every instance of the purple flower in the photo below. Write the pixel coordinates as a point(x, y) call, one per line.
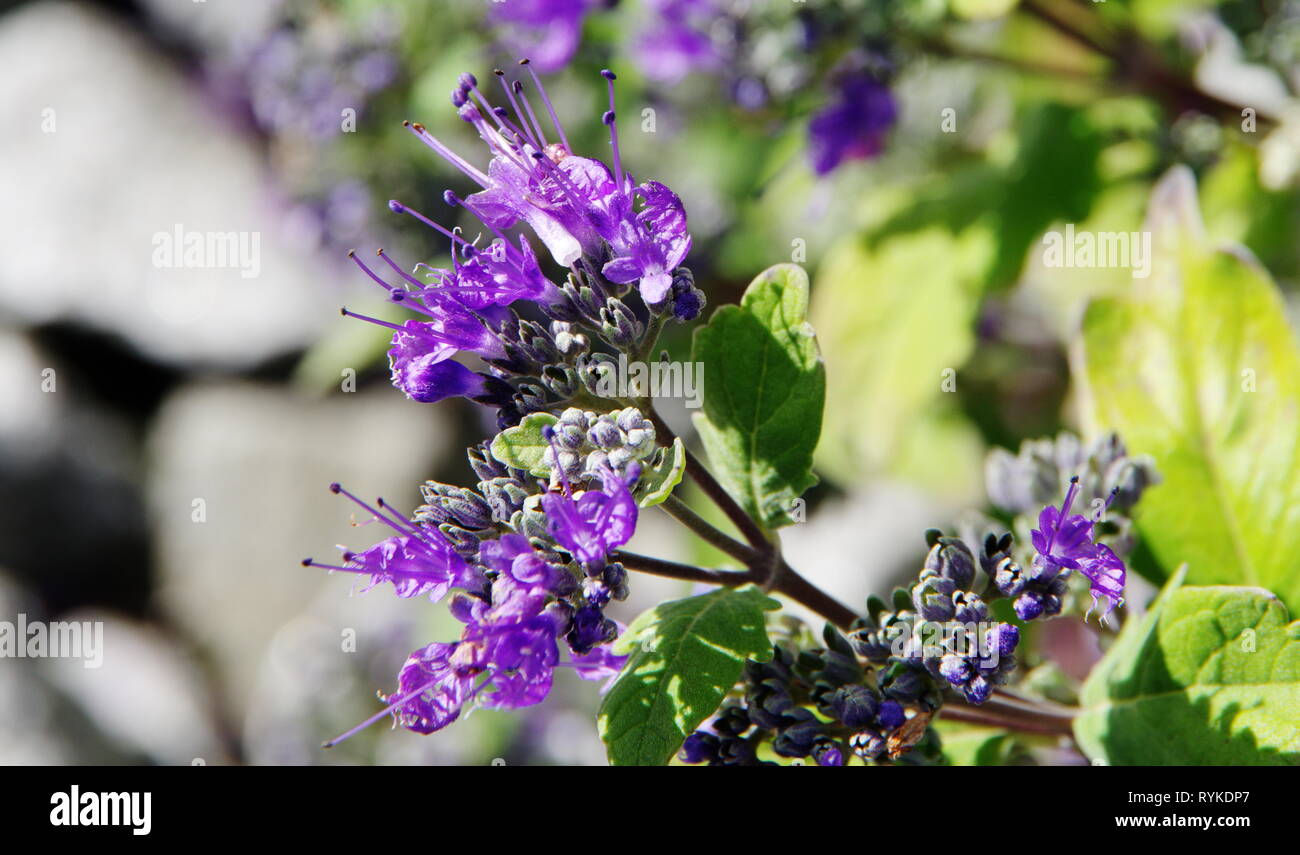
point(575, 205)
point(430, 689)
point(523, 657)
point(652, 245)
point(590, 628)
point(600, 663)
point(854, 125)
point(418, 560)
point(891, 715)
point(1107, 574)
point(421, 349)
point(1062, 539)
point(551, 29)
point(597, 522)
point(676, 41)
point(1065, 541)
point(429, 381)
point(525, 580)
point(828, 753)
point(498, 275)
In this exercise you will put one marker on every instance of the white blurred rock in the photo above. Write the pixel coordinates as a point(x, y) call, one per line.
point(105, 145)
point(218, 24)
point(146, 694)
point(28, 414)
point(254, 463)
point(28, 733)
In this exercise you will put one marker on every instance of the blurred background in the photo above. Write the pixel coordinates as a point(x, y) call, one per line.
point(168, 430)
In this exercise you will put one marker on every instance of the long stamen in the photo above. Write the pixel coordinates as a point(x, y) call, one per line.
point(414, 693)
point(352, 254)
point(610, 119)
point(398, 208)
point(347, 556)
point(447, 154)
point(502, 117)
point(1065, 512)
point(528, 108)
point(561, 180)
point(1109, 499)
point(400, 272)
point(550, 108)
point(523, 129)
point(406, 529)
point(348, 313)
point(405, 520)
point(1069, 496)
point(496, 142)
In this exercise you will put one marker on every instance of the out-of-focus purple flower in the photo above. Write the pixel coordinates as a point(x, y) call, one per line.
point(600, 663)
point(292, 83)
point(676, 40)
point(853, 126)
point(549, 30)
point(418, 560)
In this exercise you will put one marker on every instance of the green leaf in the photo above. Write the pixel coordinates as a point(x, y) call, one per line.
point(523, 446)
point(1209, 676)
point(764, 386)
point(684, 656)
point(971, 745)
point(896, 322)
point(1198, 368)
point(665, 473)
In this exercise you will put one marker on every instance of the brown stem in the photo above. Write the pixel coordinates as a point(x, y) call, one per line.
point(997, 712)
point(743, 522)
point(679, 511)
point(955, 712)
point(799, 589)
point(1138, 67)
point(1024, 66)
point(1054, 20)
point(676, 570)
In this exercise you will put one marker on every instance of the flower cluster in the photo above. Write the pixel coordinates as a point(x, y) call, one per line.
point(672, 36)
point(872, 693)
point(670, 39)
point(820, 702)
point(1100, 476)
point(611, 233)
point(518, 596)
point(527, 562)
